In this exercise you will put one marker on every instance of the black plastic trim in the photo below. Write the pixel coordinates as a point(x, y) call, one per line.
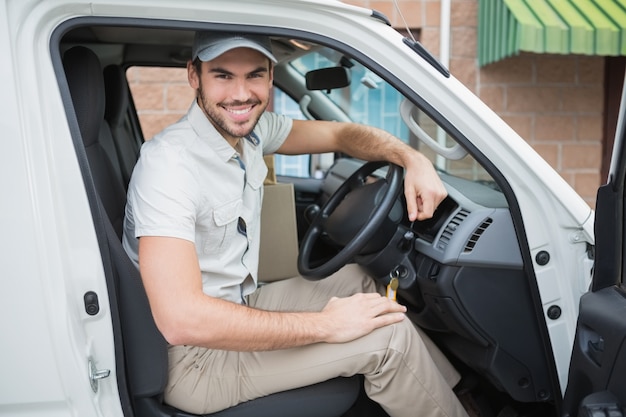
point(381, 16)
point(425, 53)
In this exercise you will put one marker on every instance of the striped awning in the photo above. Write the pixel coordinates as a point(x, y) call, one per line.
point(587, 27)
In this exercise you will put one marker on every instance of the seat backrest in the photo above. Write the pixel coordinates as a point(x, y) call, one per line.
point(117, 114)
point(145, 349)
point(84, 77)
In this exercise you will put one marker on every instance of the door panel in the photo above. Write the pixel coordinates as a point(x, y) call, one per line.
point(599, 357)
point(597, 377)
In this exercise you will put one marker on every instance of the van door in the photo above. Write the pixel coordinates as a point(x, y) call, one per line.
point(597, 376)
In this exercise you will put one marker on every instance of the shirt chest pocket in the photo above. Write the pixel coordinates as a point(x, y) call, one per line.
point(223, 228)
point(256, 172)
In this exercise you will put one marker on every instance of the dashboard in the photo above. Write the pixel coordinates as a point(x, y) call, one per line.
point(462, 277)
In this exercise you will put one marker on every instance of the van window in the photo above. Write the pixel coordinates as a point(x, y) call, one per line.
point(290, 165)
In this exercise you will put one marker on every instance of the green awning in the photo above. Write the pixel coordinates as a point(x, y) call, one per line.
point(587, 27)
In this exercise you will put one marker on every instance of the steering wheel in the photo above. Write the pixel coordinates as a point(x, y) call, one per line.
point(350, 219)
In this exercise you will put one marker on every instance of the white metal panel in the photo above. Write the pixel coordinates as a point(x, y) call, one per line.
point(54, 254)
point(51, 246)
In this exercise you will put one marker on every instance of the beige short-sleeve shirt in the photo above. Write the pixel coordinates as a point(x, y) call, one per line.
point(189, 183)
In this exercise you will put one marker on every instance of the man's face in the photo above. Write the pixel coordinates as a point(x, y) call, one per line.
point(233, 90)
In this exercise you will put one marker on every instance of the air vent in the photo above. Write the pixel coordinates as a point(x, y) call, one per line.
point(446, 235)
point(473, 240)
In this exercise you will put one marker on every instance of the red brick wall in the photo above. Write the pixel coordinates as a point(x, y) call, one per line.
point(161, 96)
point(554, 102)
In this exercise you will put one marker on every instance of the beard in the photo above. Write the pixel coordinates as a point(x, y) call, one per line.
point(227, 128)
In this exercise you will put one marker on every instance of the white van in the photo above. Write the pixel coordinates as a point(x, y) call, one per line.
point(499, 277)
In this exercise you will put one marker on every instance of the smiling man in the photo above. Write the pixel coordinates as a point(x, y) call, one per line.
point(192, 227)
point(235, 101)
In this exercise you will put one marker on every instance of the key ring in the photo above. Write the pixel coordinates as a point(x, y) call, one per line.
point(392, 287)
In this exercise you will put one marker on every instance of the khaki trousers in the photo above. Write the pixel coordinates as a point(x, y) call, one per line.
point(404, 371)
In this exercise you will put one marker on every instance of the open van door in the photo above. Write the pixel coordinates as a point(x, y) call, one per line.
point(597, 376)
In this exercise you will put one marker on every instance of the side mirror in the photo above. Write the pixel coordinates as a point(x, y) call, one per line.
point(327, 78)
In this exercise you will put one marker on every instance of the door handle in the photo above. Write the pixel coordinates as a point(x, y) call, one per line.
point(595, 350)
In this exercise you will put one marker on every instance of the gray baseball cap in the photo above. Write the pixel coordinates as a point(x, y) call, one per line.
point(209, 45)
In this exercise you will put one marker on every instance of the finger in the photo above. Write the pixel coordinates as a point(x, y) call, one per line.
point(411, 202)
point(429, 201)
point(386, 306)
point(388, 319)
point(425, 208)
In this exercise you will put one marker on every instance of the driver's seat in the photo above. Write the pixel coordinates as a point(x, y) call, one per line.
point(144, 349)
point(146, 363)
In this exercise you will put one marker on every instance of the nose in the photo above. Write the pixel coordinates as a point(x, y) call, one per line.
point(240, 90)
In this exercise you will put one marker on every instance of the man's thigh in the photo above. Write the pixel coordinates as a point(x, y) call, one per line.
point(203, 380)
point(299, 294)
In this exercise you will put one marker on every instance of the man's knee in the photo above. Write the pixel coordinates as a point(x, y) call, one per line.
point(351, 279)
point(405, 336)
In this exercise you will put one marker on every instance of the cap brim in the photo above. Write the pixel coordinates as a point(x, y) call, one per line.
point(213, 51)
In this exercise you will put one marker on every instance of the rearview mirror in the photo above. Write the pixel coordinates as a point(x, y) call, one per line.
point(327, 78)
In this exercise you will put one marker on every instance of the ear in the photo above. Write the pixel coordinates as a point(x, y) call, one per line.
point(271, 74)
point(192, 76)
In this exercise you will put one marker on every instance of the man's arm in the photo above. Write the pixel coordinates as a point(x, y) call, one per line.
point(185, 315)
point(422, 186)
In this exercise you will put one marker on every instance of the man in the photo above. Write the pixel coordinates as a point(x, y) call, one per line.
point(192, 226)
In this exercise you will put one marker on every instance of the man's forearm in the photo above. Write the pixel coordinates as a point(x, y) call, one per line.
point(370, 143)
point(359, 141)
point(220, 324)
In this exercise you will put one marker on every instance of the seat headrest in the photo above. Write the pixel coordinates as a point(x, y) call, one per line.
point(116, 91)
point(86, 83)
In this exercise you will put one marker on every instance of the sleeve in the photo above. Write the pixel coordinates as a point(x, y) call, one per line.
point(163, 195)
point(273, 129)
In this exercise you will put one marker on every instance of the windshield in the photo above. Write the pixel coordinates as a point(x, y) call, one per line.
point(370, 100)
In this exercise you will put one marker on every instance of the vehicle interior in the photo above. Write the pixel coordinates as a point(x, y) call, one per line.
point(465, 275)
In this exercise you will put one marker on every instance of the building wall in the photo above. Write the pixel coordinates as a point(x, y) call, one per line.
point(161, 96)
point(554, 102)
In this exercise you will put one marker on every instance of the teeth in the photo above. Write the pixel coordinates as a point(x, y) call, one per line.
point(244, 111)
